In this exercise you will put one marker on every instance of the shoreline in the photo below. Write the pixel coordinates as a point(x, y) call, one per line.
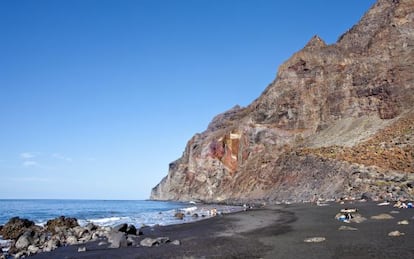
point(275, 231)
point(193, 212)
point(108, 213)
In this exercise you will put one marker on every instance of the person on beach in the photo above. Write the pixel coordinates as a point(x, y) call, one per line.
point(213, 212)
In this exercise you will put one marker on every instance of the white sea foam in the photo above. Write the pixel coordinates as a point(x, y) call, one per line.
point(41, 224)
point(189, 210)
point(4, 244)
point(108, 213)
point(108, 221)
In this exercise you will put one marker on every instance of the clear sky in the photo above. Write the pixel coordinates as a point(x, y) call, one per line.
point(97, 97)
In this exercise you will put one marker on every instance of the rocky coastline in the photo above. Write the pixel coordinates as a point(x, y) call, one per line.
point(22, 237)
point(25, 238)
point(374, 230)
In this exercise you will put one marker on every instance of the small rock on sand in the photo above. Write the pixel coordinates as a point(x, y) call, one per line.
point(148, 242)
point(314, 239)
point(82, 249)
point(395, 233)
point(382, 216)
point(176, 242)
point(346, 228)
point(403, 222)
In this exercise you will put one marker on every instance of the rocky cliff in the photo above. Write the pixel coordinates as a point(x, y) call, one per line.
point(338, 121)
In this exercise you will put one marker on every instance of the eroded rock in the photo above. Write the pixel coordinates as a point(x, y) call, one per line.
point(60, 224)
point(16, 227)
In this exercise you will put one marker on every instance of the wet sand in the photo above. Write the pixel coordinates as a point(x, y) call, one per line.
point(272, 232)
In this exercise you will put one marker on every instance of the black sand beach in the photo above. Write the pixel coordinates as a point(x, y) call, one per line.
point(273, 232)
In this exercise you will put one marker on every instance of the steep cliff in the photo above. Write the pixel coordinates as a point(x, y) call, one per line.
point(337, 121)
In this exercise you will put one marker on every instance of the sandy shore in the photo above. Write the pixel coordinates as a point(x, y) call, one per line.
point(273, 232)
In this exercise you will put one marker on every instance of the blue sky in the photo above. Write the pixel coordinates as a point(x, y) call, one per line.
point(97, 97)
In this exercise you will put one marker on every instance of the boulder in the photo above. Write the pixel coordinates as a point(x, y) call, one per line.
point(139, 232)
point(51, 245)
point(23, 242)
point(61, 223)
point(131, 240)
point(71, 240)
point(86, 237)
point(32, 249)
point(131, 230)
point(179, 215)
point(121, 227)
point(21, 254)
point(79, 231)
point(163, 240)
point(91, 227)
point(15, 228)
point(149, 242)
point(117, 239)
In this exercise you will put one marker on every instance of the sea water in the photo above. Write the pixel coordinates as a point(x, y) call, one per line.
point(99, 212)
point(105, 212)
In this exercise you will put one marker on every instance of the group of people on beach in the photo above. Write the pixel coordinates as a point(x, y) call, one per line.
point(403, 205)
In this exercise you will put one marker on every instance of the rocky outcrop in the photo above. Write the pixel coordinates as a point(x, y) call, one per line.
point(336, 122)
point(15, 227)
point(28, 239)
point(61, 223)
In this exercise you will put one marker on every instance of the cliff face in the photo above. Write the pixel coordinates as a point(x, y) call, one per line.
point(337, 121)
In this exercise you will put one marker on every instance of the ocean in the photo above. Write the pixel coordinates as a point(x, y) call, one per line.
point(102, 212)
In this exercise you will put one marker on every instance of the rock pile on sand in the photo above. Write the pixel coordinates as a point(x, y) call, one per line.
point(26, 238)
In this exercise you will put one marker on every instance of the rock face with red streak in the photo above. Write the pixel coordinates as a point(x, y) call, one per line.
point(323, 127)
